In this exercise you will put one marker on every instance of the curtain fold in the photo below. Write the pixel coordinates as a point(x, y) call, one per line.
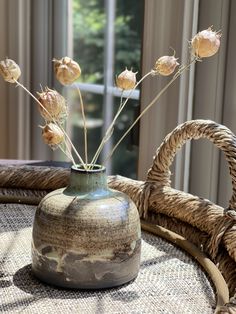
point(32, 33)
point(15, 112)
point(205, 93)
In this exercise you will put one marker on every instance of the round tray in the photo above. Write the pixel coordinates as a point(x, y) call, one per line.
point(169, 281)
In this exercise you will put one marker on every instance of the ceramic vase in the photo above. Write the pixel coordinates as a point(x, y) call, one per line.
point(86, 235)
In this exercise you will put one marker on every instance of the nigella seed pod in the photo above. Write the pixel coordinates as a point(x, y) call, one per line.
point(126, 80)
point(10, 70)
point(53, 107)
point(165, 65)
point(67, 71)
point(206, 43)
point(52, 135)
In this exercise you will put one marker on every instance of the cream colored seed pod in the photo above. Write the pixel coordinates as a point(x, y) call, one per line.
point(126, 80)
point(9, 70)
point(206, 43)
point(52, 135)
point(165, 65)
point(66, 70)
point(55, 105)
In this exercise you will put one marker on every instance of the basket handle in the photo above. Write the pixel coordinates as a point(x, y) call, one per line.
point(220, 135)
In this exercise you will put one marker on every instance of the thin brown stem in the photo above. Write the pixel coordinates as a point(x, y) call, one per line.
point(114, 120)
point(121, 99)
point(54, 121)
point(85, 126)
point(67, 153)
point(151, 104)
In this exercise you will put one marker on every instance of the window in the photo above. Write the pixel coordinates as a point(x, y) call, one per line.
point(106, 39)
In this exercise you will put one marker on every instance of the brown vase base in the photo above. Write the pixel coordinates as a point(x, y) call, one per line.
point(79, 274)
point(53, 279)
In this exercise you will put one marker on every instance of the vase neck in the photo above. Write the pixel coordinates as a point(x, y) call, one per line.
point(88, 181)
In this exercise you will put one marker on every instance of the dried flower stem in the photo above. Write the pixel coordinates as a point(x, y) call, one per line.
point(121, 99)
point(85, 126)
point(64, 132)
point(67, 153)
point(181, 70)
point(109, 130)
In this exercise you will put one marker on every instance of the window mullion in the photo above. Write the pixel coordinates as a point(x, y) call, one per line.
point(99, 89)
point(110, 6)
point(185, 106)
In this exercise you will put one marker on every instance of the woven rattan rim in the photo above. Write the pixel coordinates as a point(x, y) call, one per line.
point(222, 291)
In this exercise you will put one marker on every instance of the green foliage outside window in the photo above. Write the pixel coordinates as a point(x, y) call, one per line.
point(89, 22)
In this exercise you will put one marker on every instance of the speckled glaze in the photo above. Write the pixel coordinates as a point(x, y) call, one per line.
point(86, 235)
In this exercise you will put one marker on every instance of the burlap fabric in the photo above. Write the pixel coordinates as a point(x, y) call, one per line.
point(170, 281)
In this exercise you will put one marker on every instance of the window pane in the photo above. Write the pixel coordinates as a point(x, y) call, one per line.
point(94, 121)
point(125, 158)
point(128, 28)
point(89, 29)
point(89, 22)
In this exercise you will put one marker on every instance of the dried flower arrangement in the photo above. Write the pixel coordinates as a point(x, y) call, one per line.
point(53, 107)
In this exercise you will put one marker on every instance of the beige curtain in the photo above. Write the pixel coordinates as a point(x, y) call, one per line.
point(205, 92)
point(14, 109)
point(32, 32)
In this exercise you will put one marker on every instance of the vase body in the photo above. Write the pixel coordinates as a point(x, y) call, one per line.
point(86, 235)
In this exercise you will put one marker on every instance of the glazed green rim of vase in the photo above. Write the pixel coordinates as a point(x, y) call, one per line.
point(96, 168)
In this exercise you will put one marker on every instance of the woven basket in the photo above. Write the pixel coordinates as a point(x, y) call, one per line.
point(210, 227)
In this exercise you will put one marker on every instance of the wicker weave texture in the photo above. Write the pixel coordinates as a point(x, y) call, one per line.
point(169, 281)
point(155, 195)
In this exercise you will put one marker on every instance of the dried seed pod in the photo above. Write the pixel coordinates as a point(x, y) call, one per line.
point(66, 70)
point(55, 105)
point(9, 70)
point(206, 43)
point(165, 65)
point(126, 80)
point(52, 135)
